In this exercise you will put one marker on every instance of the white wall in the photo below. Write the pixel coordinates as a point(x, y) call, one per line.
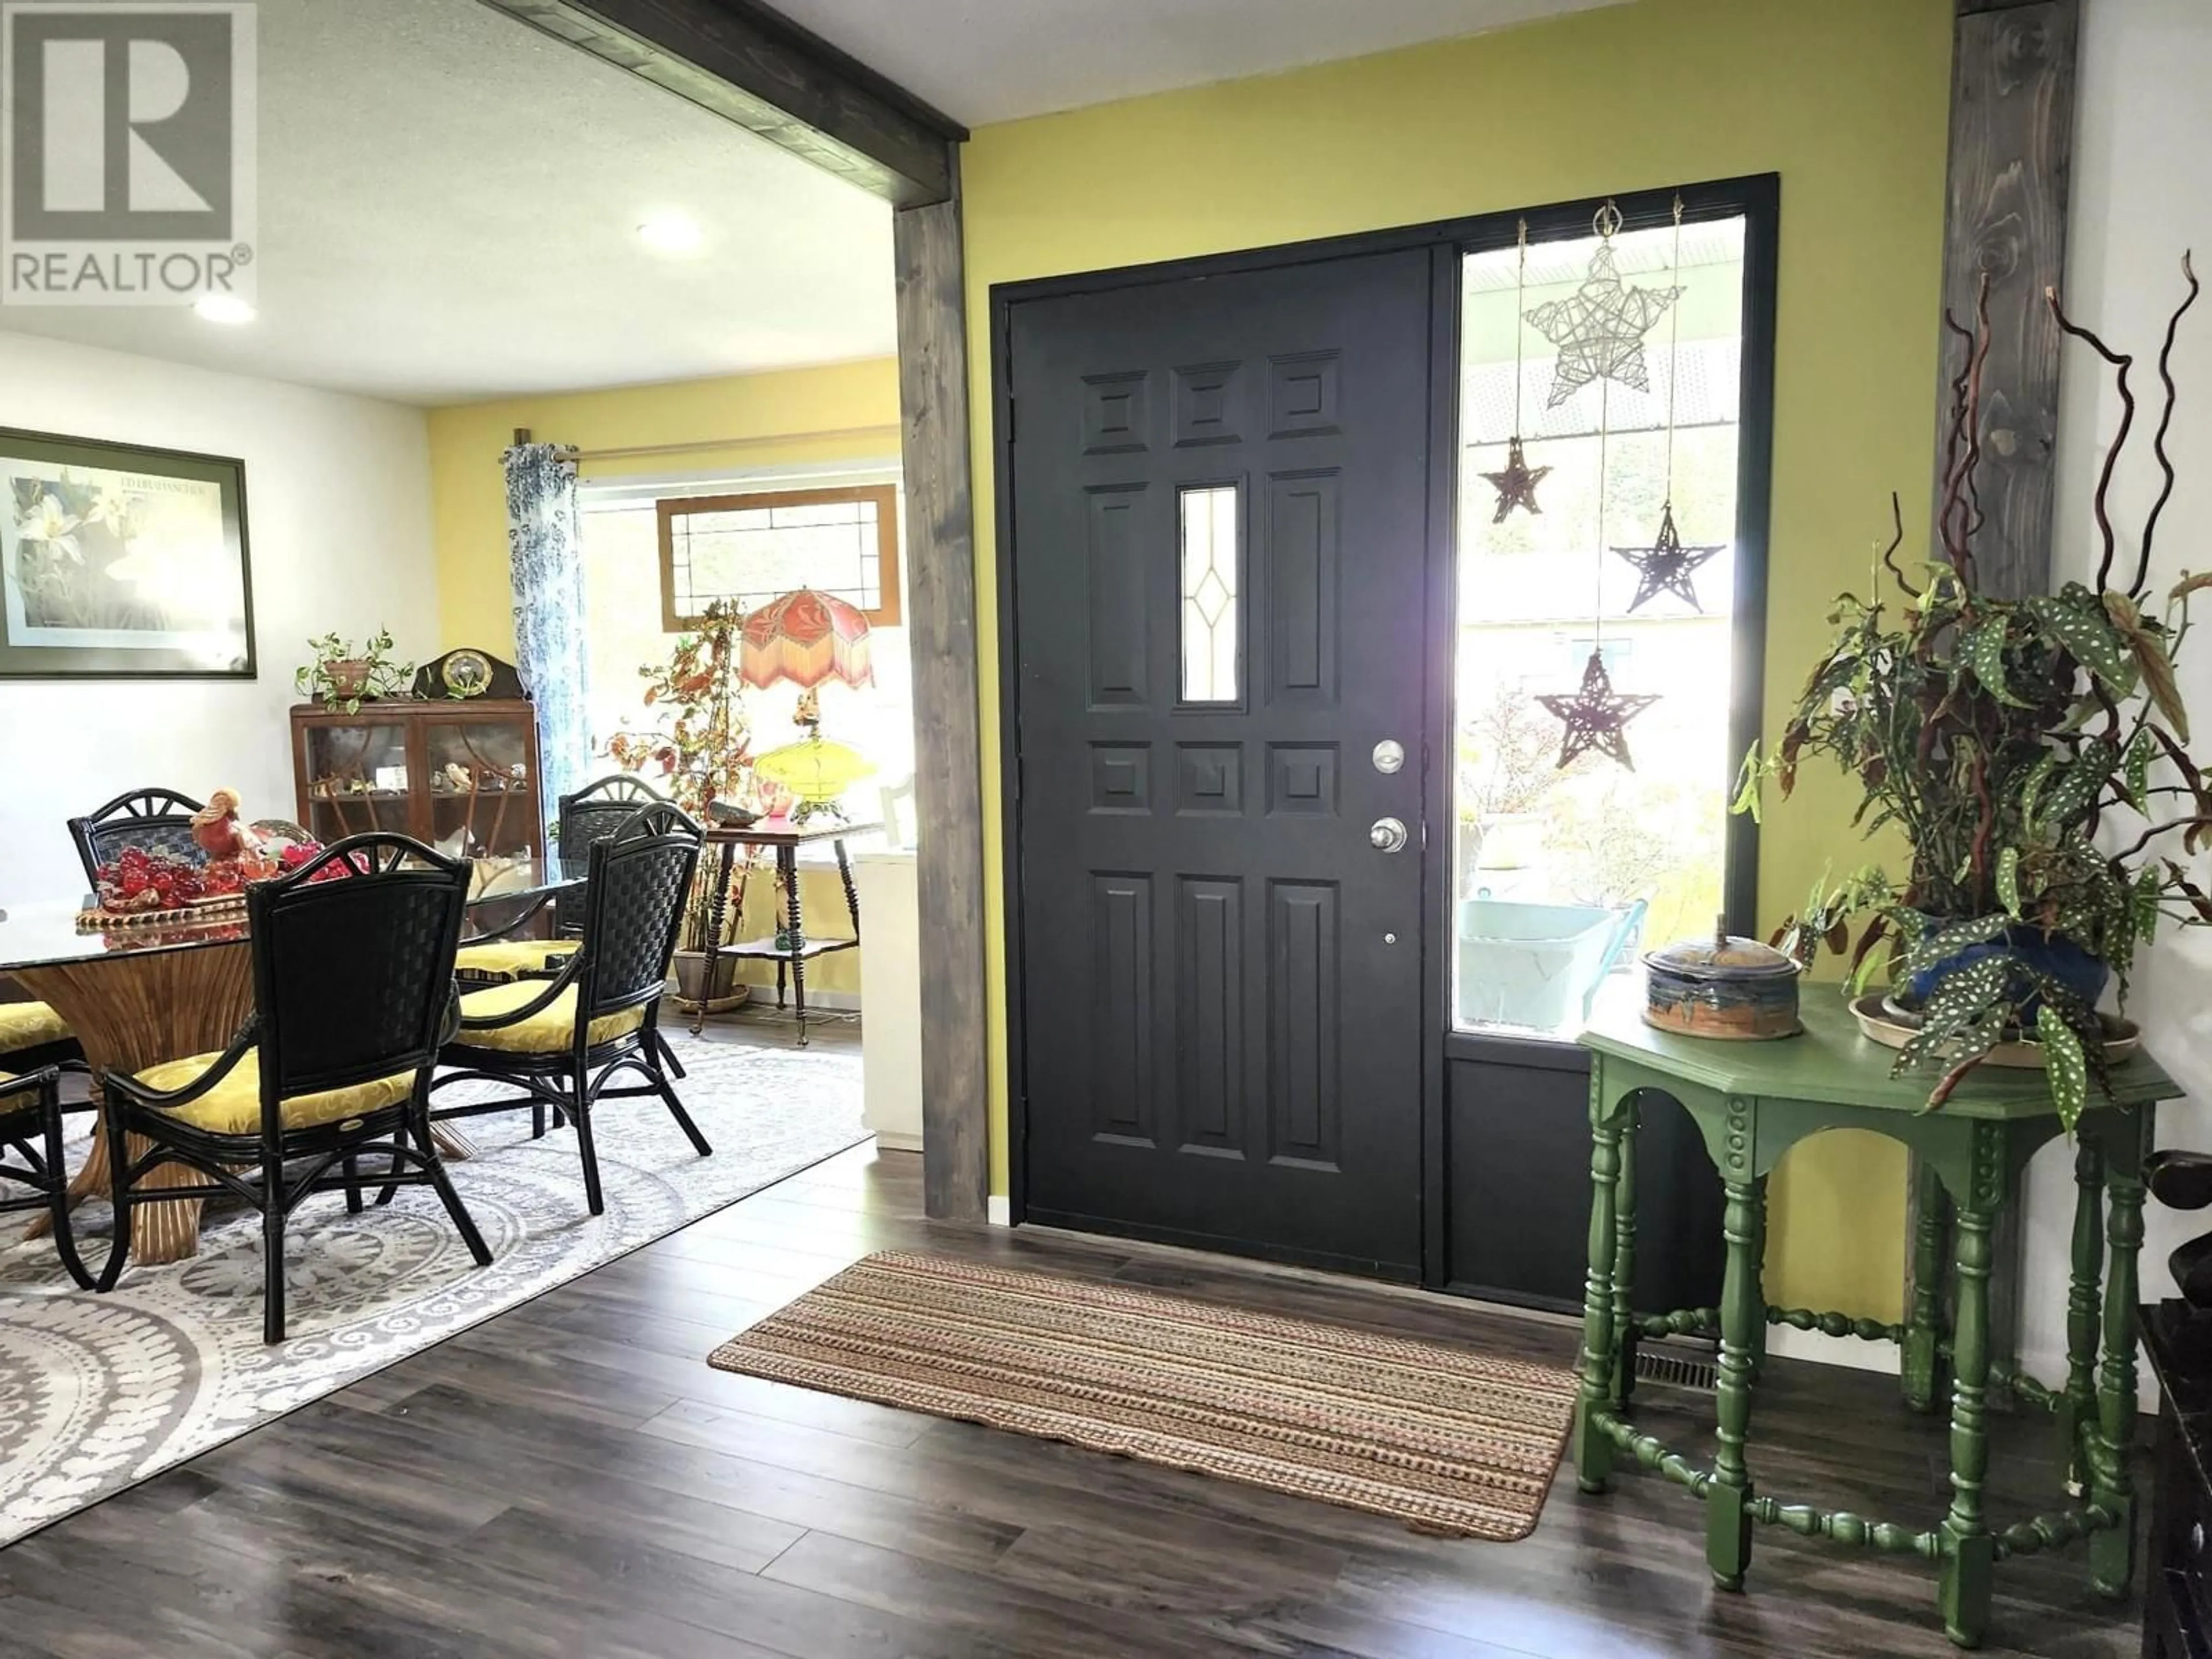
point(338, 512)
point(2141, 194)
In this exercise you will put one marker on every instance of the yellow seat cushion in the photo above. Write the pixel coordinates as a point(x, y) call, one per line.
point(30, 1025)
point(548, 1031)
point(232, 1107)
point(510, 959)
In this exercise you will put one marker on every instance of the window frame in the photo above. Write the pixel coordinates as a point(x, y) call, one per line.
point(669, 509)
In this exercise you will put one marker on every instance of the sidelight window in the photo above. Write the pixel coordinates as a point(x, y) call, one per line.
point(1563, 872)
point(1210, 632)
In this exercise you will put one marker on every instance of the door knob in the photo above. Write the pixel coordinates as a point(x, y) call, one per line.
point(1386, 834)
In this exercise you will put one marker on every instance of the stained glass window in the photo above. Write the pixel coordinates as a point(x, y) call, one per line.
point(751, 548)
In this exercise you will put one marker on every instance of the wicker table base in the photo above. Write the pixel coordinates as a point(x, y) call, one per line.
point(130, 1011)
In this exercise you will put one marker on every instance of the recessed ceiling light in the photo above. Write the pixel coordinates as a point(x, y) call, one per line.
point(226, 309)
point(671, 232)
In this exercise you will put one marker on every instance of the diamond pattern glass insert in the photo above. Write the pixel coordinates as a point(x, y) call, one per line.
point(1210, 630)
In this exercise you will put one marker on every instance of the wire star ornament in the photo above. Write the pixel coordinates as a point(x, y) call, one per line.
point(1599, 329)
point(1667, 566)
point(1517, 484)
point(1596, 717)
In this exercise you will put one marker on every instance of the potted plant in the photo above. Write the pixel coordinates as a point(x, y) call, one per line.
point(2034, 754)
point(343, 677)
point(702, 752)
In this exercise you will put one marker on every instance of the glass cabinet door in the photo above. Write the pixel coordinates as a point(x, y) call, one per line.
point(358, 780)
point(480, 788)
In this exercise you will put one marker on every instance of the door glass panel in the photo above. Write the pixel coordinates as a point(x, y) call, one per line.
point(1562, 872)
point(1210, 608)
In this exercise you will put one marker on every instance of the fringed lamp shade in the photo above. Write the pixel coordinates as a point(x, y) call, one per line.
point(805, 637)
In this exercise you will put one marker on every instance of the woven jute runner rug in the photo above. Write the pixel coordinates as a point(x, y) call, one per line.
point(1447, 1440)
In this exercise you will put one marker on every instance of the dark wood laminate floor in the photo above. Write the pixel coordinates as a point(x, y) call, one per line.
point(571, 1478)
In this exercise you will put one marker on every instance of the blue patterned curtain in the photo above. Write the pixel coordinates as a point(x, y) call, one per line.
point(546, 554)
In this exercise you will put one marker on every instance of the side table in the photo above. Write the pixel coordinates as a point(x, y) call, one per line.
point(796, 949)
point(1752, 1102)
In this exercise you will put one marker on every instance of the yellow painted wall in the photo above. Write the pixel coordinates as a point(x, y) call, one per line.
point(763, 413)
point(1848, 103)
point(768, 416)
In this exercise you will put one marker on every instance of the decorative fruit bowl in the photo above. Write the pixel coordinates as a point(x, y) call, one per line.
point(141, 889)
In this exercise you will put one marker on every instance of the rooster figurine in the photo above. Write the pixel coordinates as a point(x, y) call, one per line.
point(217, 832)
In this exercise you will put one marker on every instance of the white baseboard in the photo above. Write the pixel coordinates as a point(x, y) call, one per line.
point(1790, 1343)
point(891, 1140)
point(999, 1210)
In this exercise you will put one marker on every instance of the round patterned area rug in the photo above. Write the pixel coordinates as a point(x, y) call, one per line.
point(99, 1392)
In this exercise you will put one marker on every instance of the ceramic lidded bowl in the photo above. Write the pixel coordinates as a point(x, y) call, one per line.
point(1722, 987)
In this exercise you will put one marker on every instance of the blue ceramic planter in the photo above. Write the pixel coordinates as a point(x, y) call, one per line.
point(2058, 956)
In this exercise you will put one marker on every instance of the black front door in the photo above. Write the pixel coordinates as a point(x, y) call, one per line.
point(1219, 530)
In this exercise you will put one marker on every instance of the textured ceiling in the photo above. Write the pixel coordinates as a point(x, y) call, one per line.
point(448, 211)
point(992, 60)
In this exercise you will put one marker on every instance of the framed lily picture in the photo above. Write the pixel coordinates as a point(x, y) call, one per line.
point(121, 563)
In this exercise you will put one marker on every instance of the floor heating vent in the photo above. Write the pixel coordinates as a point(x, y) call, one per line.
point(1677, 1367)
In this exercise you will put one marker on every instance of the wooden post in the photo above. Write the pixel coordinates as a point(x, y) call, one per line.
point(2012, 137)
point(2012, 133)
point(745, 62)
point(940, 533)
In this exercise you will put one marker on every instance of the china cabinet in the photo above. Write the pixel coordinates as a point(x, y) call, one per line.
point(462, 776)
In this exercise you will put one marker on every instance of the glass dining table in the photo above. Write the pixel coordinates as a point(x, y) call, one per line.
point(136, 996)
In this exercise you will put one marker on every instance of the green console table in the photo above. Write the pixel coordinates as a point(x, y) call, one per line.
point(1752, 1102)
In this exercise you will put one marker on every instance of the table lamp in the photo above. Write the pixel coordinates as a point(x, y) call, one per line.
point(806, 638)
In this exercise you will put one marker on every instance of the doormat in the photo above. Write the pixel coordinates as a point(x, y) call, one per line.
point(1447, 1441)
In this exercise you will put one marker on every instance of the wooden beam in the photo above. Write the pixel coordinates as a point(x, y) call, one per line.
point(940, 544)
point(2012, 131)
point(753, 66)
point(2012, 136)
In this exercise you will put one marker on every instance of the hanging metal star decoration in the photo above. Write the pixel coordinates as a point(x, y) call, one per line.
point(1667, 566)
point(1517, 484)
point(1599, 329)
point(1596, 716)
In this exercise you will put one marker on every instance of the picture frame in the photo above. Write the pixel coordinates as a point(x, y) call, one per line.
point(121, 560)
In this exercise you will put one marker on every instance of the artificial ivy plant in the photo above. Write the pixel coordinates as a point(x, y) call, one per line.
point(2035, 753)
point(343, 676)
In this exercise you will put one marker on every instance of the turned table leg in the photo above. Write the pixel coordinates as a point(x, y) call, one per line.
point(2075, 1410)
point(2112, 1551)
point(1921, 1367)
point(1593, 1450)
point(718, 913)
point(1743, 1321)
point(787, 859)
point(1970, 1557)
point(1624, 1261)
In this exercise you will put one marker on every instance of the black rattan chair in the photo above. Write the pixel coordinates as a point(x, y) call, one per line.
point(597, 811)
point(335, 1062)
point(156, 820)
point(561, 1041)
point(31, 1129)
point(593, 814)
